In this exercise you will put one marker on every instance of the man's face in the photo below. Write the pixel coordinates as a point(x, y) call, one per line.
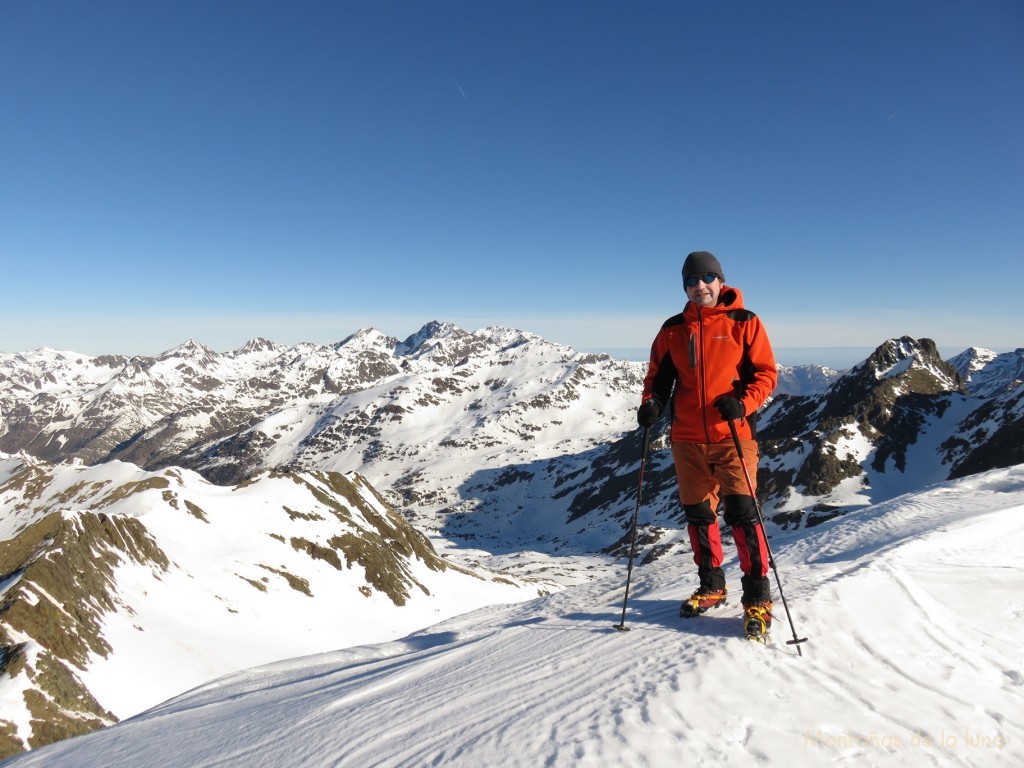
point(702, 293)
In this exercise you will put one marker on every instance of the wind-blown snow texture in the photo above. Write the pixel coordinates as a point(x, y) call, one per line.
point(913, 607)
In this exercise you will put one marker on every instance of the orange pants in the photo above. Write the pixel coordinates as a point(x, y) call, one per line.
point(707, 474)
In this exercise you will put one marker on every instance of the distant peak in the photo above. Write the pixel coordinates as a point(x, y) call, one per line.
point(972, 359)
point(259, 344)
point(437, 328)
point(904, 349)
point(905, 357)
point(987, 373)
point(190, 348)
point(367, 337)
point(432, 331)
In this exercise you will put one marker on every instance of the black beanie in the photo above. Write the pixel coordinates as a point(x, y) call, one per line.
point(701, 262)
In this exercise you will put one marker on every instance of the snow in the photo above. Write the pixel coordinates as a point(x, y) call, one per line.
point(200, 616)
point(913, 610)
point(902, 365)
point(235, 593)
point(12, 695)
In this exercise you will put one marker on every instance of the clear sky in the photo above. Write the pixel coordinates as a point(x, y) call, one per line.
point(299, 170)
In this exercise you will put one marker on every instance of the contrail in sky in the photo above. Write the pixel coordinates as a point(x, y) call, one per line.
point(457, 85)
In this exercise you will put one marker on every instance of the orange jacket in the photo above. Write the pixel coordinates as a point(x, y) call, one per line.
point(705, 353)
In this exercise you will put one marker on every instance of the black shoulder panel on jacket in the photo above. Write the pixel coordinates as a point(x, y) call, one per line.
point(674, 320)
point(741, 315)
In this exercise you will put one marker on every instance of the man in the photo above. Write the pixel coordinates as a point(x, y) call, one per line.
point(716, 364)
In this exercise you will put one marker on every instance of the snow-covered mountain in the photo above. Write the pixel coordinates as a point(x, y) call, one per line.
point(503, 440)
point(895, 671)
point(986, 373)
point(804, 379)
point(226, 415)
point(123, 587)
point(447, 419)
point(426, 420)
point(899, 419)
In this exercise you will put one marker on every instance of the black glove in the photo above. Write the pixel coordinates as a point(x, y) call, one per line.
point(730, 408)
point(648, 413)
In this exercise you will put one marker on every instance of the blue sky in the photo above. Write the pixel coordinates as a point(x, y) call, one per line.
point(226, 170)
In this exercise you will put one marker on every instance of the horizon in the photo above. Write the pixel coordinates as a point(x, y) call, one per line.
point(839, 358)
point(214, 171)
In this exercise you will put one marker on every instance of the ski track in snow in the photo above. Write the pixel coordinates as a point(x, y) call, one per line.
point(912, 609)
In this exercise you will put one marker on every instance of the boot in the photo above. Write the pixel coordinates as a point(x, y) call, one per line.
point(757, 619)
point(703, 600)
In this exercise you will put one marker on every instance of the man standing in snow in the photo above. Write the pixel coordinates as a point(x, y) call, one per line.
point(716, 364)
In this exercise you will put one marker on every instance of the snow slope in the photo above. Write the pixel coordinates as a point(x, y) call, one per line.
point(913, 608)
point(134, 586)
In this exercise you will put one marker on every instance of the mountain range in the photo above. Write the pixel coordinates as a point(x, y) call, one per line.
point(209, 497)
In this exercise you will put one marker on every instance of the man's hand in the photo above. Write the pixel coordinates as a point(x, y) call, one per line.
point(730, 408)
point(648, 413)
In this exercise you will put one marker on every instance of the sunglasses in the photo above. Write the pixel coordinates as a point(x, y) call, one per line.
point(707, 278)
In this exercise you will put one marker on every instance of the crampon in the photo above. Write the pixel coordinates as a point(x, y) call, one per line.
point(702, 601)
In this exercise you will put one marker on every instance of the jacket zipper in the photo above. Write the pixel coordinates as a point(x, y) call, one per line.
point(702, 366)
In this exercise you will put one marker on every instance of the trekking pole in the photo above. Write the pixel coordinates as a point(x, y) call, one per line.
point(621, 626)
point(771, 558)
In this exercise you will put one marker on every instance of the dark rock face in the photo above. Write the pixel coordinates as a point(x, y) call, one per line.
point(869, 422)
